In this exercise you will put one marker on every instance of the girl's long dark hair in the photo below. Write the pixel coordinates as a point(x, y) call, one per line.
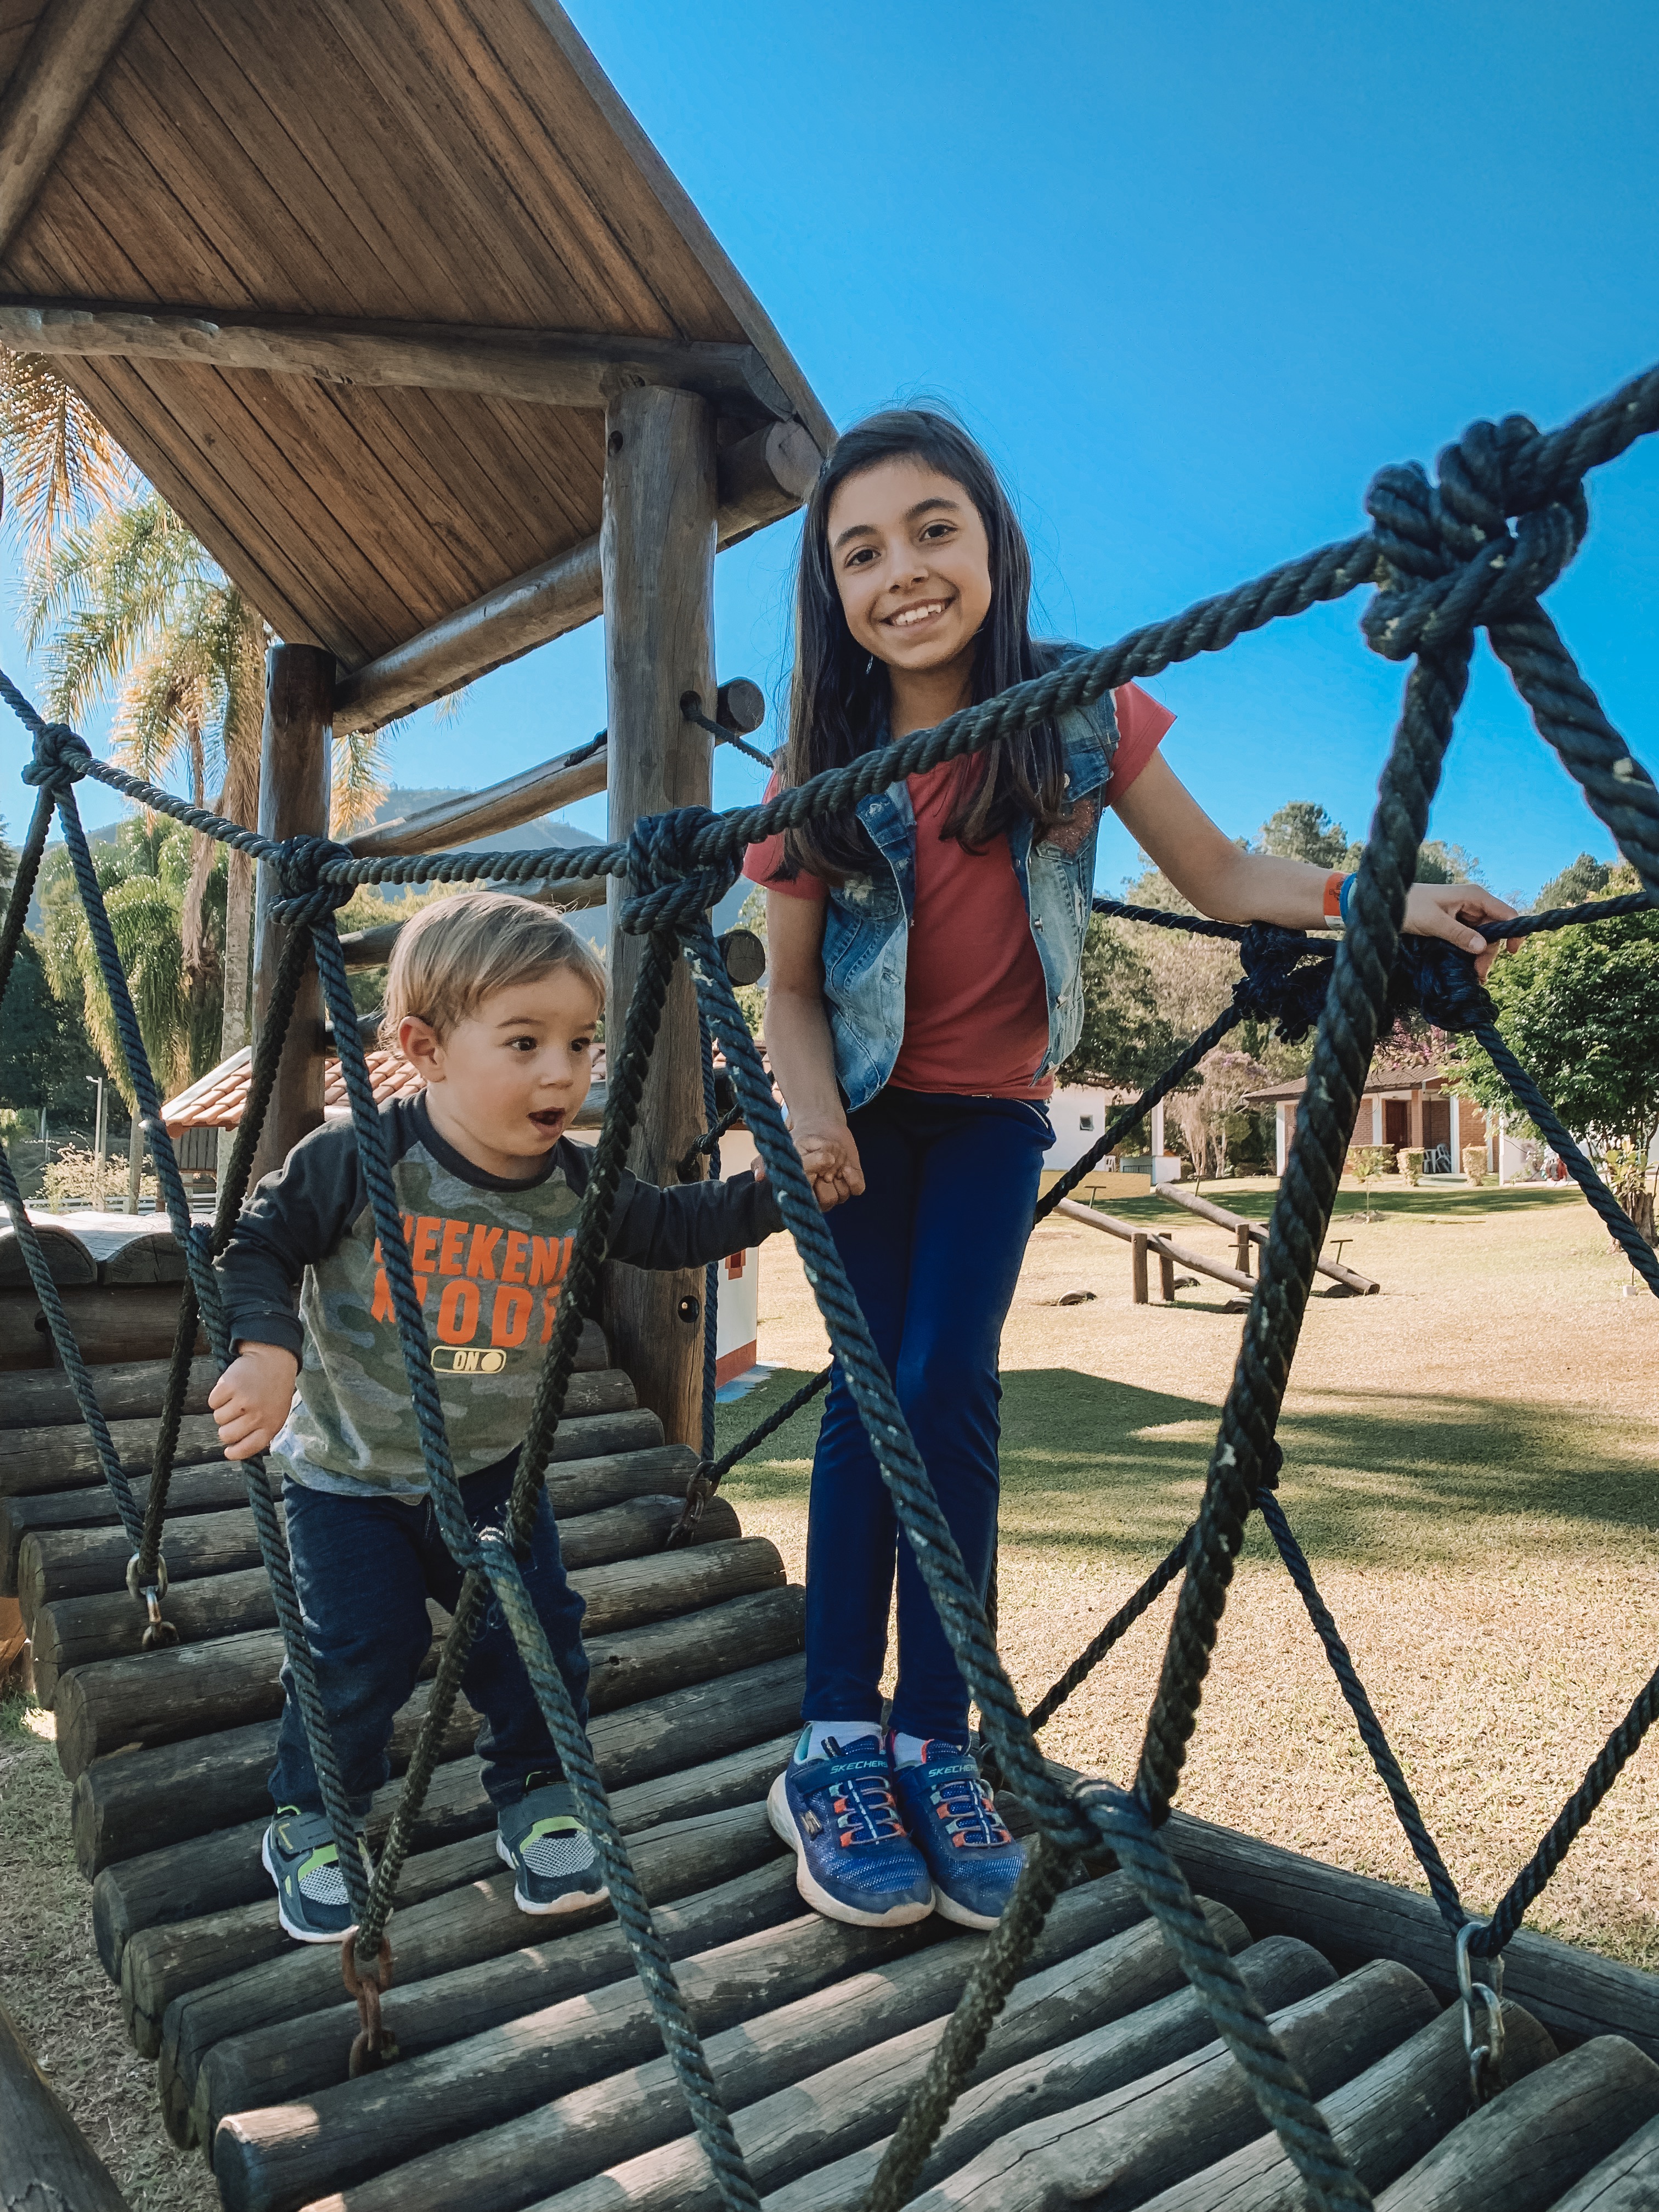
point(838, 703)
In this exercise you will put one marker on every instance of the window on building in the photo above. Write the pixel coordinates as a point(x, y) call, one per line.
point(1086, 1122)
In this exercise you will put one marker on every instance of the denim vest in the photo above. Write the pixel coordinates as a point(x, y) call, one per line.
point(866, 928)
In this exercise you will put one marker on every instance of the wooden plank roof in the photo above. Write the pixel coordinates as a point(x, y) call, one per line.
point(402, 199)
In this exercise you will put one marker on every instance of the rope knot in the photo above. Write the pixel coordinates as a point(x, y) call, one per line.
point(671, 887)
point(61, 758)
point(1285, 979)
point(1450, 563)
point(305, 898)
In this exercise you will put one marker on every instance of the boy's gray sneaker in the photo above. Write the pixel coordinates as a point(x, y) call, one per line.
point(312, 1902)
point(552, 1854)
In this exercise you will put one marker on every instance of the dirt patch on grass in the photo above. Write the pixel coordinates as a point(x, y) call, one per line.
point(1469, 1466)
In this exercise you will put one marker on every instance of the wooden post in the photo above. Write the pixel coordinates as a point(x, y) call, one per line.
point(1416, 1112)
point(1166, 1278)
point(1241, 1248)
point(45, 2159)
point(1138, 1268)
point(657, 551)
point(293, 781)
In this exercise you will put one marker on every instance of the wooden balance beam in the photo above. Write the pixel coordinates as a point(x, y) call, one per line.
point(1251, 1232)
point(1169, 1255)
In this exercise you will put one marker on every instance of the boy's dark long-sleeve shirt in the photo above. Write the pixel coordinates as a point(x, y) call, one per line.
point(490, 1259)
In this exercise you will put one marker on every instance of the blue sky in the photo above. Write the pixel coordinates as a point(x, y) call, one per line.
point(1193, 273)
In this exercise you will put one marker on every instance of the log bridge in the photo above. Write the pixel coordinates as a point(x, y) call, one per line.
point(398, 307)
point(531, 2074)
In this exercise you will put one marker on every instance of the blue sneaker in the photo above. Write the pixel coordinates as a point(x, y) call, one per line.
point(974, 1861)
point(852, 1859)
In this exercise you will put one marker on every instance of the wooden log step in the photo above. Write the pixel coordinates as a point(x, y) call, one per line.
point(1005, 2094)
point(111, 1323)
point(46, 2162)
point(275, 2160)
point(474, 1920)
point(127, 1390)
point(792, 2109)
point(38, 1462)
point(80, 1631)
point(269, 2063)
point(161, 1697)
point(68, 1259)
point(1628, 2181)
point(56, 1565)
point(85, 1562)
point(213, 1486)
point(209, 1869)
point(286, 2155)
point(1574, 1992)
point(61, 1455)
point(1383, 2121)
point(1127, 2147)
point(1537, 2139)
point(564, 1964)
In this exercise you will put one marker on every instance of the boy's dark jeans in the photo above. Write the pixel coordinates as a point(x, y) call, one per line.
point(363, 1568)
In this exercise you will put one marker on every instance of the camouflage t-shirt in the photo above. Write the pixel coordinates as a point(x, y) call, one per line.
point(490, 1259)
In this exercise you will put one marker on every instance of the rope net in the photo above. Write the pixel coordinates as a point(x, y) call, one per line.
point(1473, 550)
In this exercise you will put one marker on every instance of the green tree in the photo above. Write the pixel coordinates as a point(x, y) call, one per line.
point(1302, 831)
point(1580, 881)
point(1579, 1008)
point(145, 875)
point(1124, 1038)
point(44, 1052)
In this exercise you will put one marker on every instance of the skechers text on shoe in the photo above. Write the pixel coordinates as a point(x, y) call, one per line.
point(852, 1859)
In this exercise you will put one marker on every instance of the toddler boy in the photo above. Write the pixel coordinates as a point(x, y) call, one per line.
point(495, 1002)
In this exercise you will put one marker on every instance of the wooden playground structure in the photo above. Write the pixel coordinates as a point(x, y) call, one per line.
point(1247, 1237)
point(397, 306)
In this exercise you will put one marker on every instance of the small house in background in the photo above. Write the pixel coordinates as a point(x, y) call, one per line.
point(1081, 1114)
point(1408, 1107)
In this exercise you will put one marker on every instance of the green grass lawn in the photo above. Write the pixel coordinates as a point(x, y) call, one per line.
point(1468, 1465)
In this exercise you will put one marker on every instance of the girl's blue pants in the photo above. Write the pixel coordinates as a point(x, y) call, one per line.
point(933, 1250)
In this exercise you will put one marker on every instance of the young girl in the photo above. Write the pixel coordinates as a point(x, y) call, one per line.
point(925, 957)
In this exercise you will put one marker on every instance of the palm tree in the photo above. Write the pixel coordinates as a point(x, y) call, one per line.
point(128, 603)
point(123, 600)
point(144, 877)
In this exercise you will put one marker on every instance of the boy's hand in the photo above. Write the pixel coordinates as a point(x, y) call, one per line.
point(831, 1161)
point(1462, 914)
point(251, 1400)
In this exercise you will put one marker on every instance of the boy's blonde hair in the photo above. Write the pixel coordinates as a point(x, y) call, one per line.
point(455, 952)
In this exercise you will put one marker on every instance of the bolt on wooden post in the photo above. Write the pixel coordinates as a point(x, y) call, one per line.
point(294, 785)
point(657, 555)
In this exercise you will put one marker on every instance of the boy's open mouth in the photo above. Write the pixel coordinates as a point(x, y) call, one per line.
point(549, 1121)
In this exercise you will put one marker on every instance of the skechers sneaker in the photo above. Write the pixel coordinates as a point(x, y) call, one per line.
point(312, 1902)
point(852, 1859)
point(974, 1861)
point(552, 1854)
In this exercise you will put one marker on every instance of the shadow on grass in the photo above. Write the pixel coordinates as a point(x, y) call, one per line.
point(1388, 1202)
point(1104, 1469)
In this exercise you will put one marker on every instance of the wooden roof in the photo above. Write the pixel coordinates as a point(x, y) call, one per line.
point(435, 210)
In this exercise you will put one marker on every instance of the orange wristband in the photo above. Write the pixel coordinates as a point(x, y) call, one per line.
point(1334, 884)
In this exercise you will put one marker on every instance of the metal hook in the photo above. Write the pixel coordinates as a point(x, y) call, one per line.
point(1484, 2044)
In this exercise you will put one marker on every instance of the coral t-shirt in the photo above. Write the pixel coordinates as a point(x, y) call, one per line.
point(975, 1000)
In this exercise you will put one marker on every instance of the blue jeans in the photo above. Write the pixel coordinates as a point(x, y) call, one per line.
point(933, 1248)
point(363, 1568)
